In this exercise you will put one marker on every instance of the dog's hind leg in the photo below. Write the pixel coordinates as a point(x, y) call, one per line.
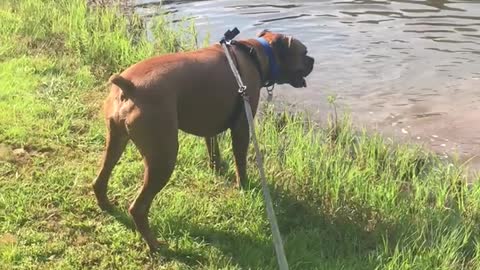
point(240, 140)
point(159, 147)
point(115, 145)
point(213, 153)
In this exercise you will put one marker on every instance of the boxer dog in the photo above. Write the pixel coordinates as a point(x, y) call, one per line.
point(195, 92)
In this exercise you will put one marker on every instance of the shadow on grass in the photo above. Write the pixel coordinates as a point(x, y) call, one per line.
point(188, 257)
point(122, 217)
point(314, 239)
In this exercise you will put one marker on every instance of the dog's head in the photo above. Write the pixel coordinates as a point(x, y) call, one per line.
point(292, 58)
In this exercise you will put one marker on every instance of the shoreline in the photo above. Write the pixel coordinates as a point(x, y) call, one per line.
point(424, 132)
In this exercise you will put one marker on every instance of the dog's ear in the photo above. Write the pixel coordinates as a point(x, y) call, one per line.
point(262, 33)
point(282, 43)
point(289, 41)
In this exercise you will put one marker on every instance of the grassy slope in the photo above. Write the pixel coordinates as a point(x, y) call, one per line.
point(349, 201)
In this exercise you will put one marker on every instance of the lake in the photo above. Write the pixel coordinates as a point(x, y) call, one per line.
point(410, 68)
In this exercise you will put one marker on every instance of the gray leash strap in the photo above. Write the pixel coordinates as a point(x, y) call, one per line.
point(277, 238)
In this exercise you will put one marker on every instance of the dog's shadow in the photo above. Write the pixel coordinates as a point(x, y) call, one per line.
point(297, 219)
point(121, 216)
point(313, 239)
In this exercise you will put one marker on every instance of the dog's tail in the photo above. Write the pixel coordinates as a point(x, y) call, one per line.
point(125, 85)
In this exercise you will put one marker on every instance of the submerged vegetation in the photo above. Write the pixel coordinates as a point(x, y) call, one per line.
point(344, 199)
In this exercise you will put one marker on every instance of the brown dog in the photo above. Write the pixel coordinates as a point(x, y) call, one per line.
point(197, 93)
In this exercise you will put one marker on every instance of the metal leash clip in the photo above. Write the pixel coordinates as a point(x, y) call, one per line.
point(241, 89)
point(270, 93)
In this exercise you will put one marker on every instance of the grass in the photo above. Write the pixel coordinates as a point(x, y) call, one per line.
point(345, 199)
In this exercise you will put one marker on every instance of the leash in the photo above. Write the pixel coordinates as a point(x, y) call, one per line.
point(277, 238)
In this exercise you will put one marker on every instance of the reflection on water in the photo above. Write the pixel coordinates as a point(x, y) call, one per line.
point(409, 65)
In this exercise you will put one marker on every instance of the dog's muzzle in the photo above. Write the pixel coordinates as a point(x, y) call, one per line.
point(299, 77)
point(309, 65)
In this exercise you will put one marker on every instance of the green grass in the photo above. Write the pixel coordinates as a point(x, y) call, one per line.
point(345, 199)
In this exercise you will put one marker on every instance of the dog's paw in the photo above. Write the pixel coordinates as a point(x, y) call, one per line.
point(156, 245)
point(105, 205)
point(240, 185)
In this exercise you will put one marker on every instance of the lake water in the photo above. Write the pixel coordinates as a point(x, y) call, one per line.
point(409, 68)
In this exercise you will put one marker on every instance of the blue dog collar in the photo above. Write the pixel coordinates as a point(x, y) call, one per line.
point(274, 70)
